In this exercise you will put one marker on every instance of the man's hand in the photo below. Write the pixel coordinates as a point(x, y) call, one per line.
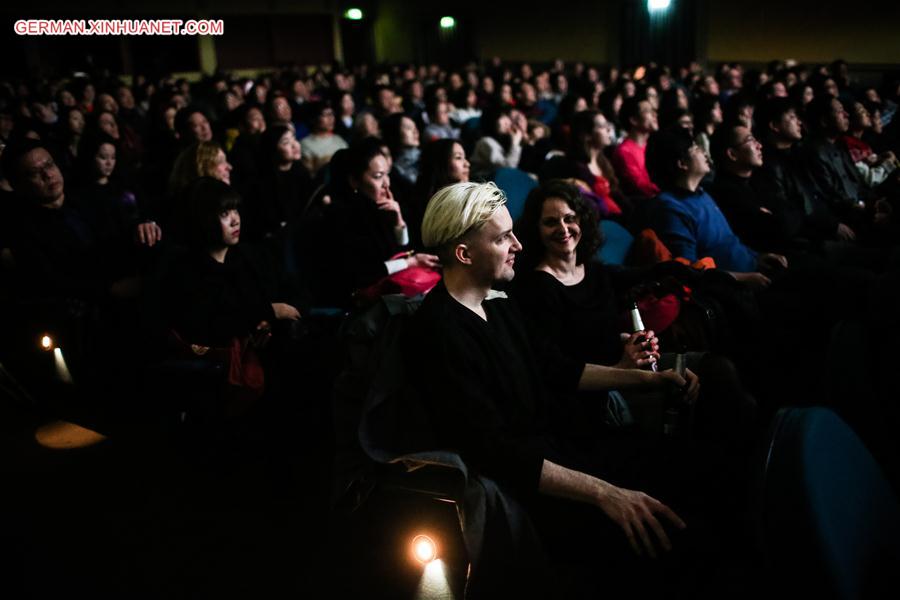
point(285, 311)
point(755, 280)
point(844, 233)
point(689, 384)
point(635, 512)
point(772, 261)
point(148, 233)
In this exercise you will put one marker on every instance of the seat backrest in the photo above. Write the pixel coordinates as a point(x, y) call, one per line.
point(830, 522)
point(516, 184)
point(616, 245)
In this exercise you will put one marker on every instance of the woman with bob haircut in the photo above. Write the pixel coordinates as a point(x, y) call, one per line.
point(218, 290)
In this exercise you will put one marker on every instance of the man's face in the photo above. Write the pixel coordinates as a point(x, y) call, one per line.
point(126, 98)
point(41, 179)
point(493, 249)
point(697, 165)
point(200, 127)
point(789, 127)
point(746, 150)
point(840, 121)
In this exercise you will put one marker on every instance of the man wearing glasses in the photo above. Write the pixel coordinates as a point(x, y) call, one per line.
point(686, 218)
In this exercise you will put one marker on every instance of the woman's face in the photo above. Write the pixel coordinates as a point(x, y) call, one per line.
point(653, 97)
point(169, 116)
point(66, 98)
point(442, 114)
point(459, 166)
point(861, 118)
point(107, 102)
point(370, 126)
point(504, 124)
point(347, 105)
point(386, 153)
point(376, 181)
point(255, 121)
point(108, 125)
point(325, 122)
point(221, 168)
point(232, 101)
point(105, 160)
point(76, 122)
point(808, 95)
point(602, 133)
point(288, 148)
point(230, 222)
point(559, 227)
point(409, 133)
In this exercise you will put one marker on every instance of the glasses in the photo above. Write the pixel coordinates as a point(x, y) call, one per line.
point(42, 170)
point(747, 140)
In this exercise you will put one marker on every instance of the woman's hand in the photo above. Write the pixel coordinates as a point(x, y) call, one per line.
point(260, 338)
point(635, 512)
point(423, 260)
point(389, 204)
point(641, 350)
point(285, 311)
point(148, 233)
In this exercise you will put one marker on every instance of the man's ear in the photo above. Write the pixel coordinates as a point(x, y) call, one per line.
point(461, 253)
point(774, 128)
point(682, 166)
point(730, 155)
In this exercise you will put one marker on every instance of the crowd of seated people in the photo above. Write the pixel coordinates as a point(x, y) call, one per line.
point(772, 192)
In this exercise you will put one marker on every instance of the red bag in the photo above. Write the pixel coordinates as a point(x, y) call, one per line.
point(245, 379)
point(410, 282)
point(658, 314)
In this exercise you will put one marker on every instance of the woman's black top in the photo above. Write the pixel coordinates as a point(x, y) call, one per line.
point(354, 241)
point(209, 303)
point(573, 324)
point(282, 198)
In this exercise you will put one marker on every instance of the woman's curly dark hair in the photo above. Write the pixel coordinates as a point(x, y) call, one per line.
point(527, 228)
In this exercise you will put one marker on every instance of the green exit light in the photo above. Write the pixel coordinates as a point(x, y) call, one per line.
point(448, 22)
point(354, 14)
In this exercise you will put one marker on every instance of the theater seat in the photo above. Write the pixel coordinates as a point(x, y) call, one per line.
point(517, 184)
point(617, 243)
point(829, 521)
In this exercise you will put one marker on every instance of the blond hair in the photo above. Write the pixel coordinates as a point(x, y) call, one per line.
point(458, 209)
point(197, 160)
